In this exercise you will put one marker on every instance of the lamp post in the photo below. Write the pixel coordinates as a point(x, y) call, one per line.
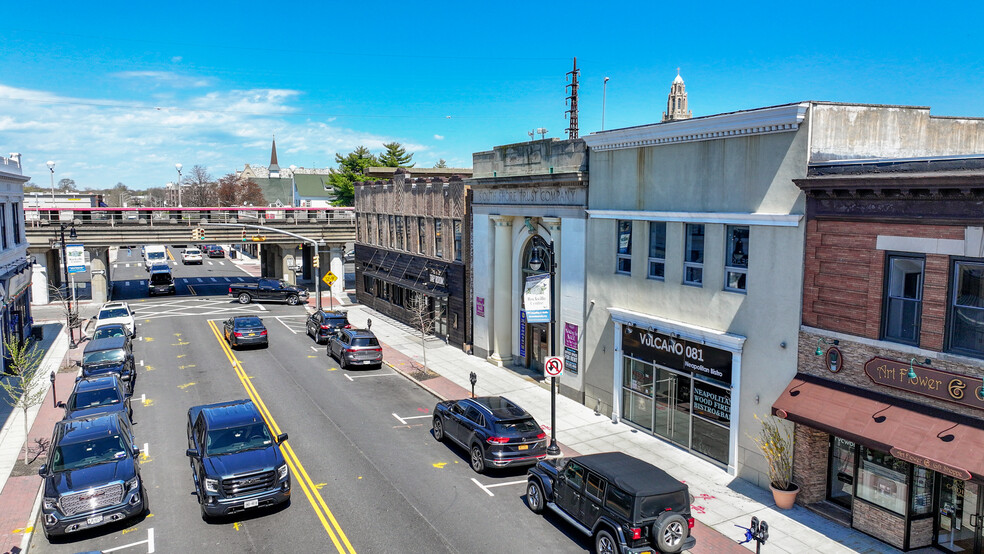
point(51, 167)
point(178, 167)
point(537, 252)
point(604, 92)
point(68, 299)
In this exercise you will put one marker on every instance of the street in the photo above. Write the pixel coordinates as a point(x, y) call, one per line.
point(367, 475)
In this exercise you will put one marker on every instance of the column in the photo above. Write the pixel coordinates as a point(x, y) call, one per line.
point(337, 264)
point(99, 275)
point(553, 227)
point(502, 291)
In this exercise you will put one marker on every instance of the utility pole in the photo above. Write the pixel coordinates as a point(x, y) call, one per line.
point(572, 101)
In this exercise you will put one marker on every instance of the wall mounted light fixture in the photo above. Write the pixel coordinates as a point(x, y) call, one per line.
point(912, 370)
point(821, 340)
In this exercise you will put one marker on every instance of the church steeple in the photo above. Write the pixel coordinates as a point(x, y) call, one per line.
point(676, 104)
point(274, 168)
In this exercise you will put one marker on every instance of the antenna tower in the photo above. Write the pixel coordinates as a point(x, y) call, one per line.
point(572, 100)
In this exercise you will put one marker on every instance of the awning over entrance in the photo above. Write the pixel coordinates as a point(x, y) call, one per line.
point(413, 272)
point(945, 442)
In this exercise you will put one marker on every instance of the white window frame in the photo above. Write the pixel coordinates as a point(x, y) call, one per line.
point(619, 257)
point(655, 260)
point(686, 249)
point(730, 269)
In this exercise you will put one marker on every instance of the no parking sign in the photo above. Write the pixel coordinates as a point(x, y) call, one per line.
point(553, 366)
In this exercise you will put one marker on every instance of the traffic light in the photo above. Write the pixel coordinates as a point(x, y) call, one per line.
point(244, 235)
point(316, 262)
point(195, 234)
point(201, 233)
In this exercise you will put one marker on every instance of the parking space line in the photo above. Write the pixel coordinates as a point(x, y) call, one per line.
point(149, 542)
point(146, 450)
point(487, 487)
point(353, 377)
point(403, 419)
point(285, 325)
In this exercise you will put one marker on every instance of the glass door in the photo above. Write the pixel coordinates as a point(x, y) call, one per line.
point(672, 407)
point(841, 478)
point(959, 516)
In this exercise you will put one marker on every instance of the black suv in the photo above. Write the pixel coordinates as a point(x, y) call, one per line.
point(97, 395)
point(495, 431)
point(625, 504)
point(110, 355)
point(92, 476)
point(355, 347)
point(322, 324)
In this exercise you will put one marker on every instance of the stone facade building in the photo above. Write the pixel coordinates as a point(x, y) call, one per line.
point(676, 102)
point(15, 269)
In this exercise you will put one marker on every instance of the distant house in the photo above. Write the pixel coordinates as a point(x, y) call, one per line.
point(290, 186)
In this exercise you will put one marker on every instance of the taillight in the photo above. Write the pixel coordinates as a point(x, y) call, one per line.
point(324, 327)
point(230, 290)
point(541, 436)
point(348, 326)
point(497, 440)
point(690, 523)
point(263, 333)
point(237, 333)
point(377, 349)
point(636, 533)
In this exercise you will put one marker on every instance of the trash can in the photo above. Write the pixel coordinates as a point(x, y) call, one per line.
point(232, 253)
point(37, 332)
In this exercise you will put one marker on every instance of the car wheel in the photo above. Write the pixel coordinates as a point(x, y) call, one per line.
point(292, 300)
point(244, 298)
point(671, 531)
point(146, 503)
point(604, 543)
point(534, 496)
point(438, 429)
point(477, 459)
point(341, 361)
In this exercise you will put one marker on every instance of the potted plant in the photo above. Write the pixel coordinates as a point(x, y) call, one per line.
point(775, 440)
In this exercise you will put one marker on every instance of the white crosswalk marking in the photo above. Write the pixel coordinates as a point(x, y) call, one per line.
point(209, 263)
point(142, 283)
point(221, 263)
point(199, 279)
point(241, 280)
point(214, 280)
point(126, 265)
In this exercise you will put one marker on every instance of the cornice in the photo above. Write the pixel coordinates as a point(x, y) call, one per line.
point(776, 119)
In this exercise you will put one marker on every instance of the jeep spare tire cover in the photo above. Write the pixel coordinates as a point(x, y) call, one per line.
point(671, 530)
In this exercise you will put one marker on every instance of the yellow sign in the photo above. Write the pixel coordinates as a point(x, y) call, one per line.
point(329, 278)
point(258, 238)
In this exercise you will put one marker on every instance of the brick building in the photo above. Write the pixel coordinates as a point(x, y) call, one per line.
point(888, 400)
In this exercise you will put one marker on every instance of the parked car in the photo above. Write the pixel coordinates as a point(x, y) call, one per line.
point(355, 347)
point(117, 312)
point(625, 504)
point(214, 251)
point(235, 462)
point(268, 289)
point(242, 330)
point(109, 330)
point(322, 324)
point(97, 395)
point(92, 476)
point(112, 355)
point(495, 431)
point(191, 256)
point(160, 281)
point(349, 257)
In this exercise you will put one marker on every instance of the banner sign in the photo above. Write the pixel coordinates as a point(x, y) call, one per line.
point(536, 298)
point(570, 347)
point(75, 258)
point(677, 353)
point(522, 333)
point(965, 390)
point(479, 306)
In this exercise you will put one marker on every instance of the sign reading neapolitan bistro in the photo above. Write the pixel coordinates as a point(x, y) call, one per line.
point(679, 354)
point(965, 390)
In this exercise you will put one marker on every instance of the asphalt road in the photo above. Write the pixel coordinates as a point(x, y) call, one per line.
point(367, 475)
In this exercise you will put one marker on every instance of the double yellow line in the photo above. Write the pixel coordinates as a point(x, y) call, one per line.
point(307, 485)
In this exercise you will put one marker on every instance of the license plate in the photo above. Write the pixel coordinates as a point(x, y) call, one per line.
point(251, 503)
point(94, 520)
point(524, 447)
point(252, 334)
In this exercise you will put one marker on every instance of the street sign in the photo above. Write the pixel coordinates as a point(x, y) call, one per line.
point(553, 366)
point(329, 278)
point(75, 258)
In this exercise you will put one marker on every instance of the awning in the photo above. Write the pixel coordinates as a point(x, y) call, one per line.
point(945, 442)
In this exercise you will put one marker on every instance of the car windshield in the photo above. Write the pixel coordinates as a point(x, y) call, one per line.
point(516, 426)
point(160, 279)
point(109, 332)
point(113, 312)
point(93, 399)
point(193, 252)
point(67, 457)
point(237, 439)
point(365, 341)
point(155, 256)
point(103, 357)
point(248, 323)
point(652, 506)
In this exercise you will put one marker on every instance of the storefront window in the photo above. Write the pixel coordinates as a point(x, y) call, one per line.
point(882, 480)
point(637, 393)
point(711, 440)
point(922, 490)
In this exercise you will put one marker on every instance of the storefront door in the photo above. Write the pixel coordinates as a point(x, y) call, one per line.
point(959, 516)
point(538, 346)
point(672, 414)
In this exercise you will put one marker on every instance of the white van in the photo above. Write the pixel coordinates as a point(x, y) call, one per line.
point(154, 254)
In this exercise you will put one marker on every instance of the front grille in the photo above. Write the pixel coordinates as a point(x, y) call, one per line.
point(247, 484)
point(92, 499)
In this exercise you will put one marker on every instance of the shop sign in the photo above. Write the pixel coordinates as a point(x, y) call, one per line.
point(934, 383)
point(676, 353)
point(522, 333)
point(712, 402)
point(570, 348)
point(436, 276)
point(479, 306)
point(929, 463)
point(75, 258)
point(536, 298)
point(17, 283)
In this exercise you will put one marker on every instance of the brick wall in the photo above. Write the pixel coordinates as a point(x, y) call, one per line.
point(810, 464)
point(878, 523)
point(921, 533)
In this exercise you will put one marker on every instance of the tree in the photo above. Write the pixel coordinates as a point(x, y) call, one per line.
point(351, 168)
point(421, 317)
point(66, 185)
point(25, 387)
point(117, 196)
point(395, 156)
point(31, 187)
point(441, 164)
point(235, 191)
point(201, 190)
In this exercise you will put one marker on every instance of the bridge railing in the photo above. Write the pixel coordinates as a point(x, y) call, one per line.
point(190, 217)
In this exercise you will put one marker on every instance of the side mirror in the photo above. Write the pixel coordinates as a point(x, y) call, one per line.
point(60, 404)
point(281, 437)
point(42, 470)
point(191, 453)
point(135, 451)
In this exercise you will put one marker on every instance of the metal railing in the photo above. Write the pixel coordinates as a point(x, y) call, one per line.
point(38, 216)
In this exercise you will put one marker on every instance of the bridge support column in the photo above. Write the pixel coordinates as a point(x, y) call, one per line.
point(338, 268)
point(287, 257)
point(99, 275)
point(39, 281)
point(52, 262)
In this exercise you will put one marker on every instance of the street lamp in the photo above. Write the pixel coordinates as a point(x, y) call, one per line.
point(539, 251)
point(51, 167)
point(68, 298)
point(178, 167)
point(604, 92)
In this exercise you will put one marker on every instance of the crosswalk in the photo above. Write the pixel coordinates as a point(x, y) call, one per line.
point(171, 263)
point(192, 306)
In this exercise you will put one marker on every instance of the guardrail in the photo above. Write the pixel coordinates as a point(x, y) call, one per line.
point(38, 217)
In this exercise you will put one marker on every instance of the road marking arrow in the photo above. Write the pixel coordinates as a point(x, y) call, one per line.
point(440, 465)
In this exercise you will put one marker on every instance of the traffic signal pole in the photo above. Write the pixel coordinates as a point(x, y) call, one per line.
point(244, 226)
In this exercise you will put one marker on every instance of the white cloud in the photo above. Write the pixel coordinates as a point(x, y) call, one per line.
point(176, 59)
point(438, 137)
point(163, 78)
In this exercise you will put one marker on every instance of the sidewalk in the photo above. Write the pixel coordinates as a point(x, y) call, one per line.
point(722, 501)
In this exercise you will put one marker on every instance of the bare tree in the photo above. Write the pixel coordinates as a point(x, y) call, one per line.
point(24, 388)
point(235, 191)
point(421, 317)
point(202, 190)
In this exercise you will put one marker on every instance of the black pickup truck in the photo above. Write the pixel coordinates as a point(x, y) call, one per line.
point(268, 289)
point(236, 464)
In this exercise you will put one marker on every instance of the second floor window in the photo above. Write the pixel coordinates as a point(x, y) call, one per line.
point(967, 309)
point(15, 212)
point(369, 234)
point(380, 225)
point(3, 225)
point(736, 258)
point(623, 252)
point(657, 250)
point(693, 255)
point(409, 231)
point(903, 299)
point(421, 234)
point(457, 240)
point(438, 247)
point(399, 232)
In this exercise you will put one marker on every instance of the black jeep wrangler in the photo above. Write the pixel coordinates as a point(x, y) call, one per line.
point(625, 504)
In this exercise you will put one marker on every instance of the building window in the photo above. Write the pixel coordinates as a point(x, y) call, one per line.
point(438, 247)
point(397, 298)
point(421, 233)
point(408, 229)
point(392, 233)
point(15, 212)
point(367, 283)
point(657, 249)
point(967, 309)
point(3, 225)
point(457, 239)
point(380, 233)
point(623, 253)
point(399, 232)
point(883, 480)
point(736, 259)
point(369, 236)
point(693, 262)
point(903, 299)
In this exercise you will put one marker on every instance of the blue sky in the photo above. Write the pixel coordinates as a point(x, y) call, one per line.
point(120, 92)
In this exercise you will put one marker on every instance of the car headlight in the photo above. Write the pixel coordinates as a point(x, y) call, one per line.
point(132, 483)
point(212, 485)
point(282, 471)
point(50, 503)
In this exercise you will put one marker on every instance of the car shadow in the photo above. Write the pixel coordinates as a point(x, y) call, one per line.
point(249, 514)
point(96, 532)
point(565, 528)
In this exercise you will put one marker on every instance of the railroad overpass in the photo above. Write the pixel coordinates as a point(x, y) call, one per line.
point(102, 230)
